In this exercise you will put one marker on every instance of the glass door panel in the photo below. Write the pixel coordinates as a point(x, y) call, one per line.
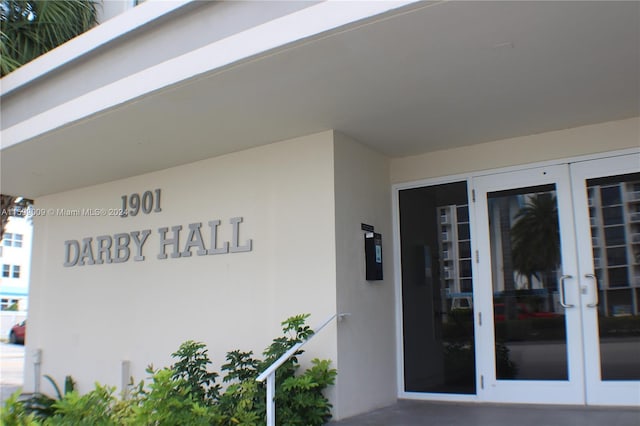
point(530, 342)
point(607, 211)
point(614, 215)
point(437, 290)
point(528, 313)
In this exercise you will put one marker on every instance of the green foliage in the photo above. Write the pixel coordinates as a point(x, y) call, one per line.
point(30, 28)
point(12, 307)
point(192, 367)
point(535, 238)
point(69, 385)
point(298, 401)
point(169, 401)
point(240, 366)
point(40, 405)
point(295, 331)
point(10, 205)
point(187, 394)
point(13, 413)
point(92, 409)
point(243, 404)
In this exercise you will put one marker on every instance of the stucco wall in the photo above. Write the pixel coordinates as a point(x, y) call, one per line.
point(592, 139)
point(87, 319)
point(366, 339)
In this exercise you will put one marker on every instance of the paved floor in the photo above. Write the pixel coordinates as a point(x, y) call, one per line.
point(11, 367)
point(417, 413)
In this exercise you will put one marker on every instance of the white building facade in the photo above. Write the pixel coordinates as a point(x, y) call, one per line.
point(249, 150)
point(15, 255)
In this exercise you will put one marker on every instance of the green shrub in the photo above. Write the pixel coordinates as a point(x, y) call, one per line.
point(40, 405)
point(92, 409)
point(169, 401)
point(299, 399)
point(192, 367)
point(186, 393)
point(13, 413)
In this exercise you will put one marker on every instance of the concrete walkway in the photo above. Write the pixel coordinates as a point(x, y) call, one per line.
point(11, 368)
point(417, 413)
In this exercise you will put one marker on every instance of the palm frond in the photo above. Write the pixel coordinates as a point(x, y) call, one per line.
point(535, 237)
point(31, 28)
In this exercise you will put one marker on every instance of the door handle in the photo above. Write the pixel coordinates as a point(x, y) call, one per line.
point(563, 301)
point(595, 290)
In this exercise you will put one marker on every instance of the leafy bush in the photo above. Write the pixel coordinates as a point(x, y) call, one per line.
point(14, 413)
point(186, 393)
point(41, 406)
point(169, 401)
point(192, 367)
point(93, 408)
point(299, 399)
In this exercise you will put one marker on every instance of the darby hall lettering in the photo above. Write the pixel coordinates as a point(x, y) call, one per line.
point(198, 240)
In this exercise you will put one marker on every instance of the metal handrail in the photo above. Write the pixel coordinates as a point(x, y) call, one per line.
point(270, 373)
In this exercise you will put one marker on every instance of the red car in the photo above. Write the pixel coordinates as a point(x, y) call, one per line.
point(523, 312)
point(18, 332)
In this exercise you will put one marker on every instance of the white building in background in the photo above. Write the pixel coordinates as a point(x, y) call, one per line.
point(614, 211)
point(249, 141)
point(15, 258)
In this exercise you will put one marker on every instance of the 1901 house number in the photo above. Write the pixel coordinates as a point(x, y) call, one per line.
point(146, 203)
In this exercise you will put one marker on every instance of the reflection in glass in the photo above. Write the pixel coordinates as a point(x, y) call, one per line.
point(462, 214)
point(465, 249)
point(615, 234)
point(529, 322)
point(617, 277)
point(612, 215)
point(610, 195)
point(616, 256)
point(465, 268)
point(463, 231)
point(437, 298)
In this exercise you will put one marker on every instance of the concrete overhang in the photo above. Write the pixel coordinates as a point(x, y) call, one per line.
point(404, 78)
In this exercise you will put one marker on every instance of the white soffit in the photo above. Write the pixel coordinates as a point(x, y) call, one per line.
point(310, 22)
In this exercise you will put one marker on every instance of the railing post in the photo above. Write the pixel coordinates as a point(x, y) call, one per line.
point(271, 399)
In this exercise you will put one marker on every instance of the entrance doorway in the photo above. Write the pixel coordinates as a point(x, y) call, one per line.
point(544, 307)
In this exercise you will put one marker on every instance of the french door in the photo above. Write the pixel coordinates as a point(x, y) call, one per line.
point(558, 259)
